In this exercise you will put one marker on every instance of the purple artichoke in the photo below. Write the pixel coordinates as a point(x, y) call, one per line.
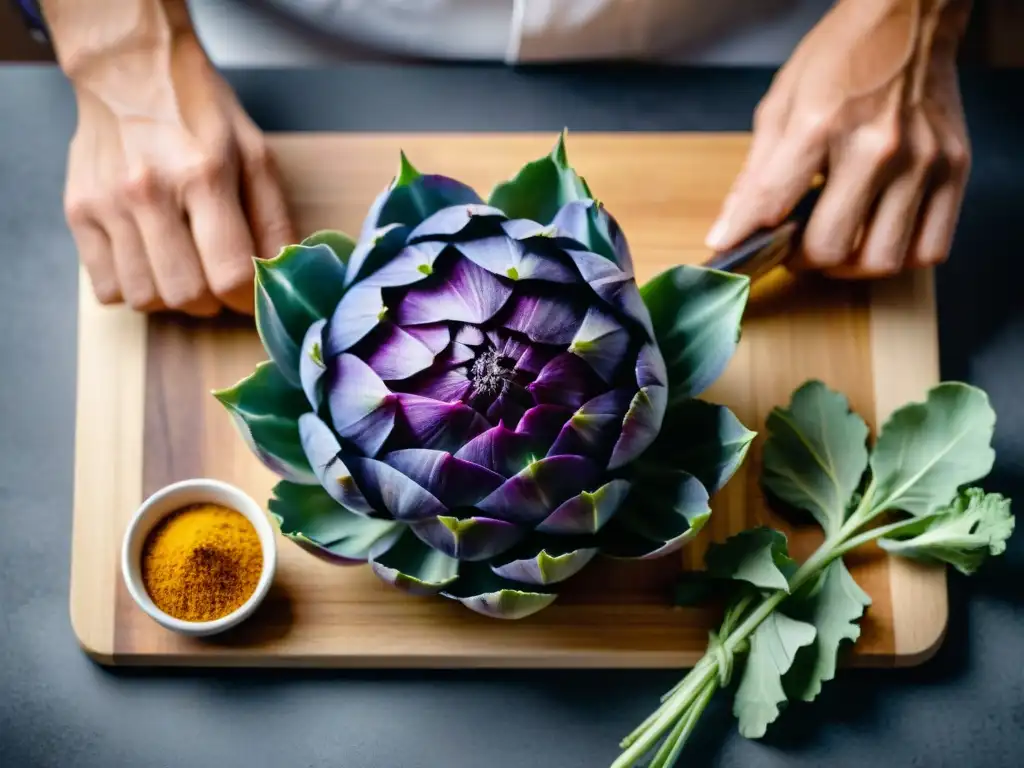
point(470, 397)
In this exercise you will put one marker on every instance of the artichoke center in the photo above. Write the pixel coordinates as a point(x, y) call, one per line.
point(490, 372)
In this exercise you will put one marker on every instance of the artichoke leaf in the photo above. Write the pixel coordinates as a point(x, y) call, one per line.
point(339, 242)
point(696, 314)
point(283, 351)
point(308, 515)
point(323, 451)
point(588, 223)
point(541, 188)
point(528, 496)
point(483, 591)
point(412, 565)
point(375, 252)
point(458, 223)
point(299, 286)
point(640, 426)
point(587, 512)
point(659, 516)
point(414, 197)
point(701, 438)
point(547, 565)
point(311, 364)
point(265, 409)
point(468, 539)
point(602, 341)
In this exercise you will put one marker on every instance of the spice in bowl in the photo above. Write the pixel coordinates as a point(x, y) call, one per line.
point(202, 562)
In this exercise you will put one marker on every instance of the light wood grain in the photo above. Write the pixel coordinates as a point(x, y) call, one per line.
point(875, 343)
point(906, 363)
point(108, 461)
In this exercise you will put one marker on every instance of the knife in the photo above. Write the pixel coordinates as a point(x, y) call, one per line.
point(768, 247)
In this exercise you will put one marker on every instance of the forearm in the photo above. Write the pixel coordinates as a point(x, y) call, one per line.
point(949, 20)
point(895, 43)
point(931, 23)
point(124, 53)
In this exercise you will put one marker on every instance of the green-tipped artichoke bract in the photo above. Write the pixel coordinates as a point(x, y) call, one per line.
point(472, 396)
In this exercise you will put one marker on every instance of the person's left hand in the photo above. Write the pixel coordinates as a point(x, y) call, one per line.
point(869, 99)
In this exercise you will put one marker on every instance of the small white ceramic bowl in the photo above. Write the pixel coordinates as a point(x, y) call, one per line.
point(176, 496)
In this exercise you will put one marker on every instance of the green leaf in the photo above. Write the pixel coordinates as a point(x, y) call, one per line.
point(816, 453)
point(706, 440)
point(541, 188)
point(307, 515)
point(974, 526)
point(928, 450)
point(696, 314)
point(266, 408)
point(759, 556)
point(296, 288)
point(339, 242)
point(833, 607)
point(773, 647)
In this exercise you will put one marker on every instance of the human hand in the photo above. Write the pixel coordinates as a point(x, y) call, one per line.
point(171, 190)
point(870, 99)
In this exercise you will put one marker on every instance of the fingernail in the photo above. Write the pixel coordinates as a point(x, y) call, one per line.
point(716, 235)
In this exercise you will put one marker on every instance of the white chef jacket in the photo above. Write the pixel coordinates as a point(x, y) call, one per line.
point(526, 31)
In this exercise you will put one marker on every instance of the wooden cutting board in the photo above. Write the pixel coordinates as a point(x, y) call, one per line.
point(146, 418)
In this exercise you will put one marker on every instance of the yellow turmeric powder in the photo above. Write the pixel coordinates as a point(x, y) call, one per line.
point(202, 562)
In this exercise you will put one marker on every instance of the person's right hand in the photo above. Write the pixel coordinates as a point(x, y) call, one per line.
point(870, 100)
point(171, 190)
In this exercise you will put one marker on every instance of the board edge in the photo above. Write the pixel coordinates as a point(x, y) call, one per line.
point(920, 603)
point(614, 661)
point(108, 460)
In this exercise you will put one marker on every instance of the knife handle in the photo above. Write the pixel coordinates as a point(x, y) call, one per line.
point(768, 247)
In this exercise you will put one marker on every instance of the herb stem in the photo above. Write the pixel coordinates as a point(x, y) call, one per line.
point(671, 711)
point(704, 660)
point(726, 628)
point(667, 701)
point(683, 705)
point(821, 557)
point(864, 513)
point(875, 533)
point(676, 740)
point(671, 701)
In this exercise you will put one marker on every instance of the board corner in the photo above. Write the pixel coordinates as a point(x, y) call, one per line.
point(94, 643)
point(920, 610)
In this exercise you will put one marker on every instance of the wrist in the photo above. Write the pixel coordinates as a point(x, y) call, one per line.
point(137, 39)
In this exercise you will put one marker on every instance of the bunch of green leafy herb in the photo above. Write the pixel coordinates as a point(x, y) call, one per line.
point(785, 622)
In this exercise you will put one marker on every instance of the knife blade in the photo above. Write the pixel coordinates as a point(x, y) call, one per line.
point(768, 247)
